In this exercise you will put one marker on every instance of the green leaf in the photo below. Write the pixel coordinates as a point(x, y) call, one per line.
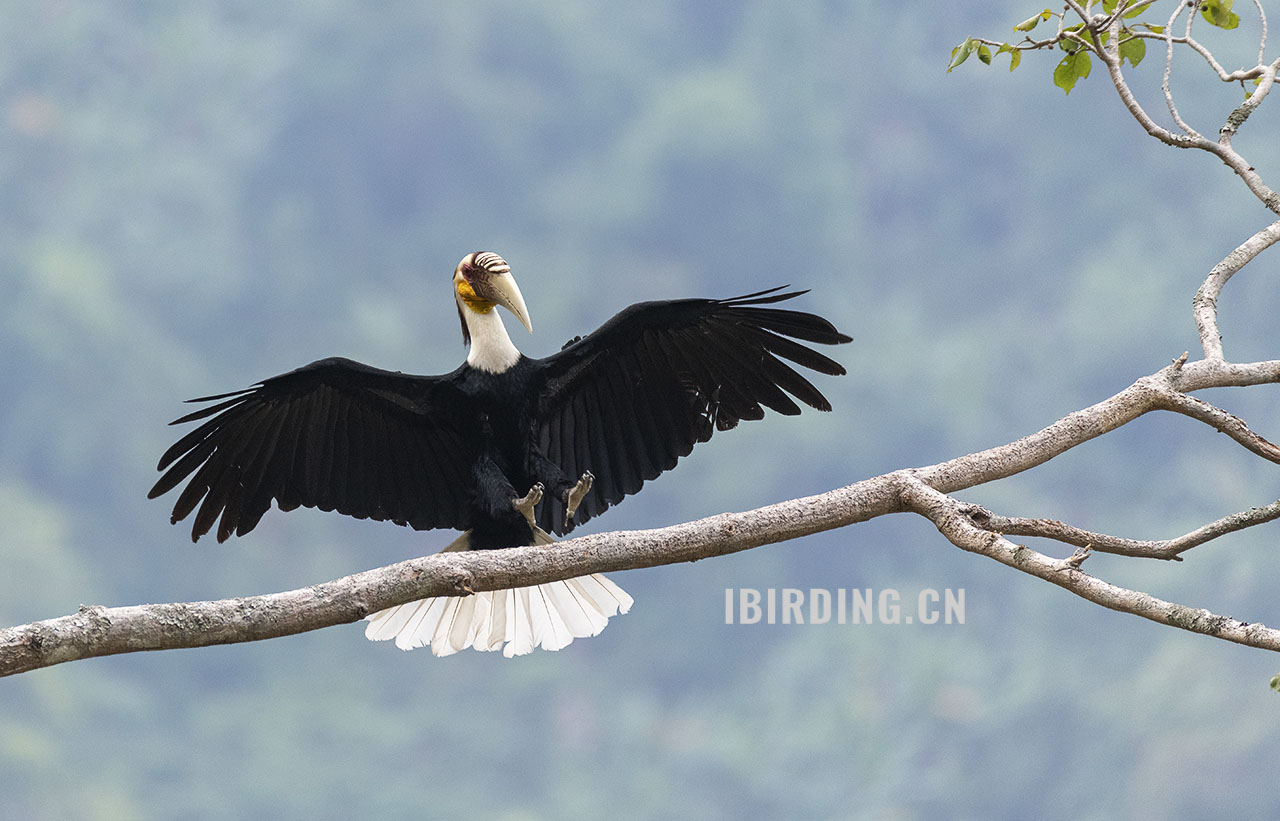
point(1219, 13)
point(1133, 50)
point(1072, 68)
point(1015, 55)
point(1275, 682)
point(1152, 29)
point(1033, 21)
point(1070, 44)
point(959, 54)
point(984, 54)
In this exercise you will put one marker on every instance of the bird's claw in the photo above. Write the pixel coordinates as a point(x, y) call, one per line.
point(525, 504)
point(576, 494)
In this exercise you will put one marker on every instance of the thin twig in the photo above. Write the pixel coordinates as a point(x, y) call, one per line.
point(1262, 41)
point(1166, 549)
point(1225, 76)
point(1223, 422)
point(1168, 69)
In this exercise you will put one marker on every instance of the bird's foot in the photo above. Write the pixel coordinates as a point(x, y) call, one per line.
point(576, 494)
point(526, 504)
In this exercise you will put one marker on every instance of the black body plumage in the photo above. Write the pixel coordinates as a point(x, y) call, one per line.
point(453, 451)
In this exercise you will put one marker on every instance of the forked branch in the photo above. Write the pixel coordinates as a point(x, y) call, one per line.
point(948, 515)
point(1170, 549)
point(99, 631)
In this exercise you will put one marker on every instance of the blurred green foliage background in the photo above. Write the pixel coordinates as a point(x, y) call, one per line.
point(194, 196)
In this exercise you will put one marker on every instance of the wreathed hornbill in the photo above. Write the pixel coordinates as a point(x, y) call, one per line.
point(506, 448)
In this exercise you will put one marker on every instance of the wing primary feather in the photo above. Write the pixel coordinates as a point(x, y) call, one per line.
point(256, 387)
point(809, 327)
point(794, 382)
point(246, 459)
point(749, 383)
point(201, 433)
point(799, 354)
point(713, 385)
point(237, 398)
point(183, 467)
point(225, 467)
point(203, 489)
point(755, 298)
point(747, 357)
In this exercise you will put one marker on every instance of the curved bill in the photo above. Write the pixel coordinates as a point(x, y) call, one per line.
point(503, 290)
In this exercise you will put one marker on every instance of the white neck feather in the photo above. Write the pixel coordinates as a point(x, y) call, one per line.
point(491, 348)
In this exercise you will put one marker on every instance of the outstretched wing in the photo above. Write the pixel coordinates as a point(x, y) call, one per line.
point(629, 400)
point(334, 435)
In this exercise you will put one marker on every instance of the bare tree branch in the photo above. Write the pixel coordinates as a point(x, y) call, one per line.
point(102, 631)
point(1167, 549)
point(1168, 63)
point(1205, 303)
point(1262, 41)
point(948, 516)
point(99, 631)
point(1191, 138)
point(1225, 76)
point(1223, 422)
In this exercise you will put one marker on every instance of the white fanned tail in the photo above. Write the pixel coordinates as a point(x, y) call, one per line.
point(516, 621)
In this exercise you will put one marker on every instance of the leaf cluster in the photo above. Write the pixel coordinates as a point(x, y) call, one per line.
point(1079, 40)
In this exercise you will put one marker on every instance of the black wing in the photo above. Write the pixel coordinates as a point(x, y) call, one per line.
point(335, 435)
point(629, 400)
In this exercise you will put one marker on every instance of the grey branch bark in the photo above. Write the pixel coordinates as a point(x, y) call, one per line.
point(948, 516)
point(926, 491)
point(1170, 549)
point(100, 631)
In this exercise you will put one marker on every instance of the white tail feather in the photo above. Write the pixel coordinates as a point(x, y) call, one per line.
point(516, 621)
point(521, 628)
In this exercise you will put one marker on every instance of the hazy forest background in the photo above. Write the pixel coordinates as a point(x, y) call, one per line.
point(197, 196)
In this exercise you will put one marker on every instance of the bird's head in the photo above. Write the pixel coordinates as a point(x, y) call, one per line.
point(481, 281)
